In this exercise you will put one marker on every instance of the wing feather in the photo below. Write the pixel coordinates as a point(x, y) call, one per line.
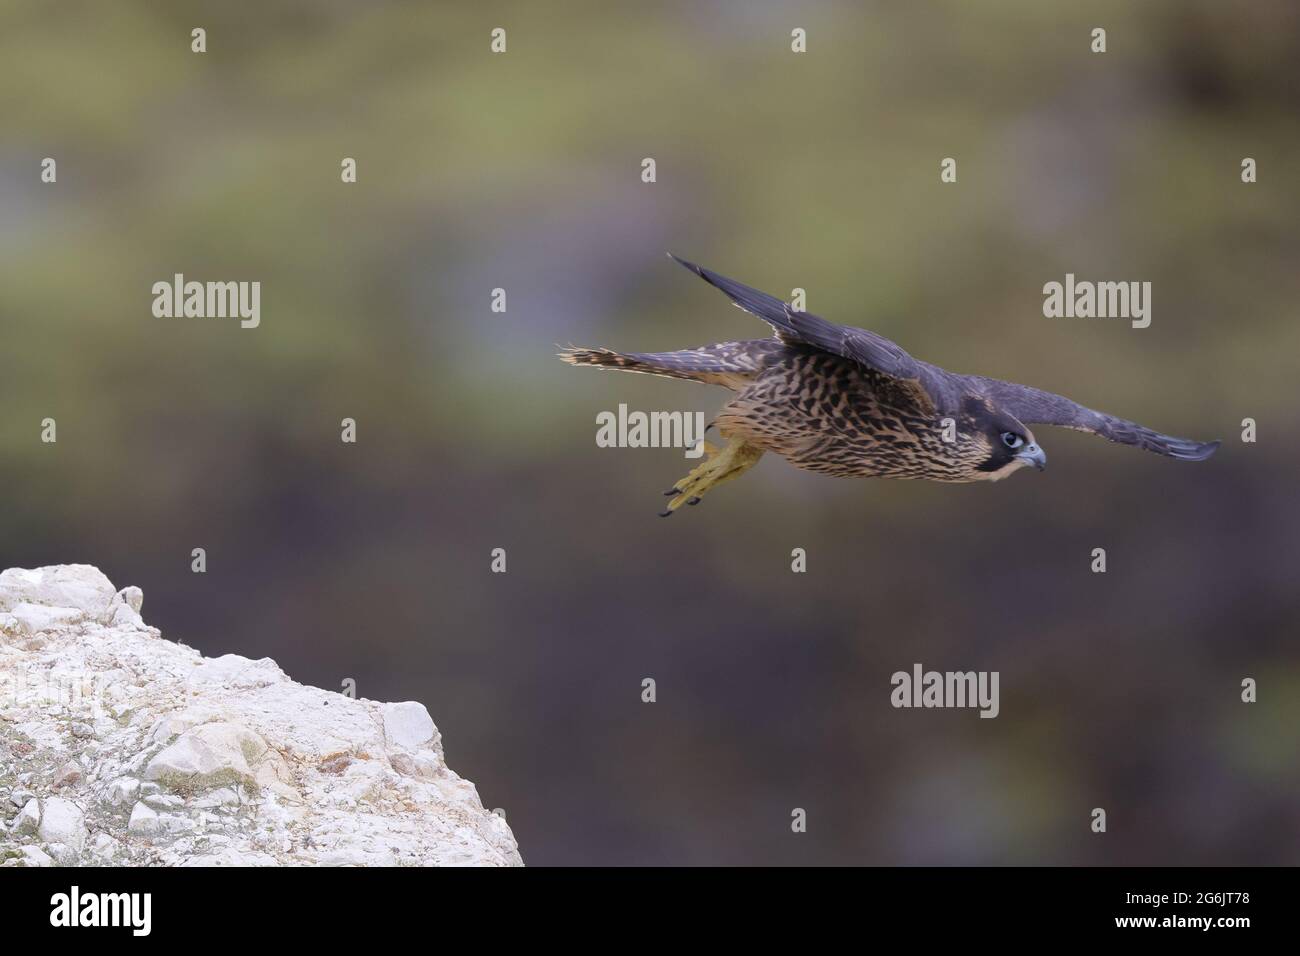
point(1034, 406)
point(858, 345)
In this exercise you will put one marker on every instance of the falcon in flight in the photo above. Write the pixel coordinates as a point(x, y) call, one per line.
point(847, 402)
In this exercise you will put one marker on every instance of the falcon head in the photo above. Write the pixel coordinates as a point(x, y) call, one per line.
point(1010, 444)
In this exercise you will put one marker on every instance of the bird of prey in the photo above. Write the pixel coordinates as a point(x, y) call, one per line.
point(847, 402)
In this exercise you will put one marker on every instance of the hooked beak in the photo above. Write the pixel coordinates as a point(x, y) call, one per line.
point(1033, 455)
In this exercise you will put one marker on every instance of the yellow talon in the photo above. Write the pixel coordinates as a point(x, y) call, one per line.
point(719, 466)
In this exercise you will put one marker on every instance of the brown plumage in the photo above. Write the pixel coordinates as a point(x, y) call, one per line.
point(844, 401)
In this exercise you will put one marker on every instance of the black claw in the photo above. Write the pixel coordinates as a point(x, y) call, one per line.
point(672, 491)
point(693, 501)
point(665, 514)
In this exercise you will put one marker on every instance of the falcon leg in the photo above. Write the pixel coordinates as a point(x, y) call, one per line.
point(719, 466)
point(710, 450)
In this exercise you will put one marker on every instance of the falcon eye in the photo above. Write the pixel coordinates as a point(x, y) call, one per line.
point(1012, 440)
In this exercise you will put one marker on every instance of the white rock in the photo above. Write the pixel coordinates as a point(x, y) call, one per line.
point(123, 615)
point(63, 822)
point(132, 597)
point(35, 618)
point(103, 844)
point(182, 720)
point(165, 800)
point(66, 586)
point(209, 755)
point(408, 724)
point(231, 670)
point(121, 791)
point(176, 823)
point(221, 797)
point(265, 770)
point(144, 820)
point(364, 780)
point(35, 856)
point(423, 763)
point(28, 819)
point(63, 854)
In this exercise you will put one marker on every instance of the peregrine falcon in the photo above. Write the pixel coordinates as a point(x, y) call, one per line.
point(847, 402)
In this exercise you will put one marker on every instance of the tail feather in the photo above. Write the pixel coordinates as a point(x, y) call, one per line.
point(605, 358)
point(732, 364)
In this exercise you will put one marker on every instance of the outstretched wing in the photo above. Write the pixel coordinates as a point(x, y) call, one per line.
point(1036, 407)
point(866, 348)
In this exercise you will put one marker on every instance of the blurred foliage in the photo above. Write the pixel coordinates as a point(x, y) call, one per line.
point(816, 170)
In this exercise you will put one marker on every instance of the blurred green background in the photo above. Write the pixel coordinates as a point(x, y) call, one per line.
point(818, 170)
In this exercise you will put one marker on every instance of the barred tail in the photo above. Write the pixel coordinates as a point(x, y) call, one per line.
point(608, 358)
point(732, 364)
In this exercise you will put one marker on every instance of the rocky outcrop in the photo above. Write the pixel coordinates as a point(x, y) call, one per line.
point(118, 747)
